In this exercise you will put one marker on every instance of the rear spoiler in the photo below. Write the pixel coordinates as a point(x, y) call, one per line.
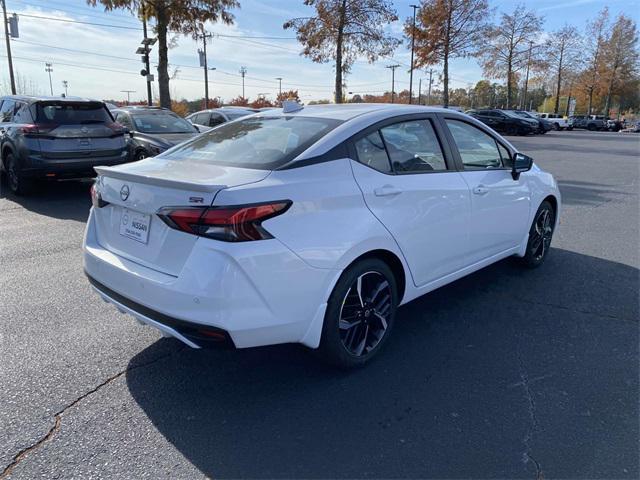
point(158, 181)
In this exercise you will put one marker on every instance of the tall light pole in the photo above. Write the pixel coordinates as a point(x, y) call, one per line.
point(48, 67)
point(144, 51)
point(280, 85)
point(6, 35)
point(65, 84)
point(393, 80)
point(430, 83)
point(413, 35)
point(243, 72)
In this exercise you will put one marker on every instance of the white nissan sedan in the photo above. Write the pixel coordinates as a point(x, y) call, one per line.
point(312, 224)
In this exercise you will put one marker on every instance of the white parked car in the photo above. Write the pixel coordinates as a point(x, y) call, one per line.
point(558, 121)
point(312, 225)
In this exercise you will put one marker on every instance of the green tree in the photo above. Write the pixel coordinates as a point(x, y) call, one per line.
point(182, 16)
point(506, 49)
point(447, 29)
point(343, 30)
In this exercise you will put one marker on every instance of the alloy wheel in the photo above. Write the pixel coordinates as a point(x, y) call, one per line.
point(364, 315)
point(543, 232)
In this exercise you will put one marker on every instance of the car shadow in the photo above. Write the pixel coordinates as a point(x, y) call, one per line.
point(66, 200)
point(450, 396)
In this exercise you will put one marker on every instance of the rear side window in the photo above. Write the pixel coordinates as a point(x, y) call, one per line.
point(262, 143)
point(372, 153)
point(216, 119)
point(478, 150)
point(6, 110)
point(22, 113)
point(413, 147)
point(70, 113)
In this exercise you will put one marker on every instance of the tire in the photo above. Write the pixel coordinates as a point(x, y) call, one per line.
point(140, 155)
point(356, 325)
point(17, 182)
point(591, 127)
point(556, 126)
point(540, 236)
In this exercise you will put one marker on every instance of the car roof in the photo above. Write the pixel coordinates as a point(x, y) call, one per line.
point(45, 98)
point(143, 110)
point(348, 111)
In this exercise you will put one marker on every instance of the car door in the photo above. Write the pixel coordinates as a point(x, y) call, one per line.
point(6, 117)
point(408, 184)
point(499, 204)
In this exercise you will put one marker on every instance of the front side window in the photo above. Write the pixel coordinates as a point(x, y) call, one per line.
point(478, 150)
point(372, 153)
point(262, 143)
point(161, 123)
point(413, 147)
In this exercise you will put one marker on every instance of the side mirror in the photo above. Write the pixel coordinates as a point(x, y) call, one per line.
point(521, 163)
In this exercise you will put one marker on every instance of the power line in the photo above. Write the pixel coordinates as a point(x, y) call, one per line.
point(79, 11)
point(66, 20)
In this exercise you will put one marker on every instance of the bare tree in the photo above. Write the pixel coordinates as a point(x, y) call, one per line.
point(506, 49)
point(562, 53)
point(342, 30)
point(620, 56)
point(447, 29)
point(594, 40)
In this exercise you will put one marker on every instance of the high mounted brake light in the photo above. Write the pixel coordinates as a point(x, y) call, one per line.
point(238, 223)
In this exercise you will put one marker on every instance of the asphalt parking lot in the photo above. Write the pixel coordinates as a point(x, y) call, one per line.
point(504, 374)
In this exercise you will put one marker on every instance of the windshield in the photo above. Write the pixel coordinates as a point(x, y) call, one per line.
point(68, 113)
point(263, 143)
point(161, 122)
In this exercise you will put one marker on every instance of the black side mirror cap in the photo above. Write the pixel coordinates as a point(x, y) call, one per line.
point(521, 163)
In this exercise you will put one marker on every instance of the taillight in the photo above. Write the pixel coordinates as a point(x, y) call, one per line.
point(239, 223)
point(96, 198)
point(116, 127)
point(40, 129)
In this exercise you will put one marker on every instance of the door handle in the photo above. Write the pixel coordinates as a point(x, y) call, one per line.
point(480, 190)
point(386, 191)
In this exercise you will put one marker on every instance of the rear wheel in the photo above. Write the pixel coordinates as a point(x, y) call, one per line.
point(360, 314)
point(140, 154)
point(556, 126)
point(540, 236)
point(17, 182)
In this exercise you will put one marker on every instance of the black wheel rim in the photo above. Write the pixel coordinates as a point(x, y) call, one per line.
point(542, 233)
point(365, 313)
point(12, 174)
point(141, 155)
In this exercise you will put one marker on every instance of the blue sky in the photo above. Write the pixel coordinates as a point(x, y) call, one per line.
point(99, 61)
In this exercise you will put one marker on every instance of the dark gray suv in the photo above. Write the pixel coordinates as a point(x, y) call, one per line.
point(49, 137)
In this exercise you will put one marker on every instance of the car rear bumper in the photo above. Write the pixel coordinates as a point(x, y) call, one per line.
point(38, 166)
point(248, 294)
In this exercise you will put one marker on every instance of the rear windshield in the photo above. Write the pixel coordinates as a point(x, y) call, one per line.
point(262, 143)
point(69, 113)
point(161, 123)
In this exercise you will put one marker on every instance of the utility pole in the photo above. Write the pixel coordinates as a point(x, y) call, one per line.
point(243, 72)
point(526, 80)
point(413, 34)
point(144, 50)
point(420, 91)
point(65, 84)
point(430, 83)
point(280, 85)
point(15, 35)
point(203, 63)
point(393, 80)
point(48, 67)
point(128, 92)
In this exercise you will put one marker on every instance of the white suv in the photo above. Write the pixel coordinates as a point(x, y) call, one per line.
point(312, 225)
point(558, 122)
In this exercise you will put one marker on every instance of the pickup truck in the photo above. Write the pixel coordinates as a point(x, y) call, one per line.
point(558, 122)
point(590, 122)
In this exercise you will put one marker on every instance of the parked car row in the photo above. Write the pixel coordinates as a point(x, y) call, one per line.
point(57, 138)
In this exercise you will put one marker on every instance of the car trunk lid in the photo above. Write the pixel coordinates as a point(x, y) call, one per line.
point(136, 191)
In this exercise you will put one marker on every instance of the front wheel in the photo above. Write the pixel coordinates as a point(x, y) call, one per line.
point(360, 314)
point(140, 155)
point(540, 236)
